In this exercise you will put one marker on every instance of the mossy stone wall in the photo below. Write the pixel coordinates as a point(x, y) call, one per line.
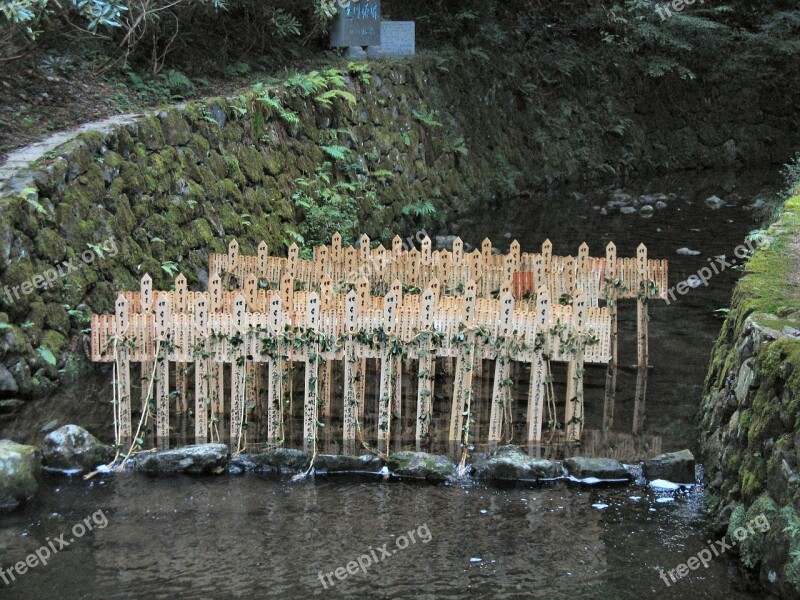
point(182, 182)
point(751, 410)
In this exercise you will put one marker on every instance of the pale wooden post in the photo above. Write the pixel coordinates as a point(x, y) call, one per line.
point(612, 299)
point(263, 260)
point(462, 383)
point(639, 400)
point(292, 260)
point(336, 257)
point(643, 342)
point(276, 367)
point(641, 306)
point(425, 253)
point(238, 373)
point(201, 371)
point(427, 365)
point(364, 304)
point(310, 410)
point(387, 371)
point(500, 395)
point(179, 307)
point(458, 251)
point(573, 414)
point(536, 391)
point(162, 376)
point(351, 400)
point(123, 408)
point(364, 250)
point(233, 256)
point(146, 303)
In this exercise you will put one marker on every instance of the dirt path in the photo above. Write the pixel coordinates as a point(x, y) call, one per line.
point(18, 160)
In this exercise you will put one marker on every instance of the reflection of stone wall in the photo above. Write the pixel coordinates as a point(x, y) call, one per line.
point(750, 425)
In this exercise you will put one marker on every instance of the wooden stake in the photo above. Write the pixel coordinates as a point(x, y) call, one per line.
point(536, 390)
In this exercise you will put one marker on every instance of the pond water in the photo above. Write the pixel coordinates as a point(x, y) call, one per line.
point(251, 536)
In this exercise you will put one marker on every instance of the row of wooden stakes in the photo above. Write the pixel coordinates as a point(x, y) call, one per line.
point(318, 315)
point(465, 329)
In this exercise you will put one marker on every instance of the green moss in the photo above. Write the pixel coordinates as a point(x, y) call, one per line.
point(50, 245)
point(791, 521)
point(750, 537)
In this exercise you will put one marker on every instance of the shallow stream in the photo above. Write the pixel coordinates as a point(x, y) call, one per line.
point(251, 536)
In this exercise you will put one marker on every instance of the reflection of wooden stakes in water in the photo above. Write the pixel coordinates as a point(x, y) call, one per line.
point(573, 414)
point(611, 298)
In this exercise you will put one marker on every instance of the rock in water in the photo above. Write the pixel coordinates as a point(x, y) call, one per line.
point(279, 460)
point(73, 448)
point(19, 466)
point(421, 465)
point(202, 459)
point(510, 463)
point(582, 467)
point(677, 467)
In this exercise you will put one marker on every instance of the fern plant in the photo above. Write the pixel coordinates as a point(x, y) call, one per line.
point(326, 99)
point(427, 117)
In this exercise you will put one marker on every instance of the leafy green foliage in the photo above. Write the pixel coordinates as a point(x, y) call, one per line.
point(284, 24)
point(427, 117)
point(327, 98)
point(421, 208)
point(336, 152)
point(47, 355)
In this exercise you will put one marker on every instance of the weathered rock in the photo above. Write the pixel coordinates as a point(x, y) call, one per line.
point(677, 467)
point(280, 460)
point(202, 459)
point(582, 467)
point(71, 447)
point(510, 463)
point(337, 463)
point(19, 465)
point(421, 465)
point(10, 405)
point(445, 242)
point(627, 210)
point(7, 382)
point(714, 202)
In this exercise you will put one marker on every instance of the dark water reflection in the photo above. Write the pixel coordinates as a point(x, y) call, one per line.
point(251, 537)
